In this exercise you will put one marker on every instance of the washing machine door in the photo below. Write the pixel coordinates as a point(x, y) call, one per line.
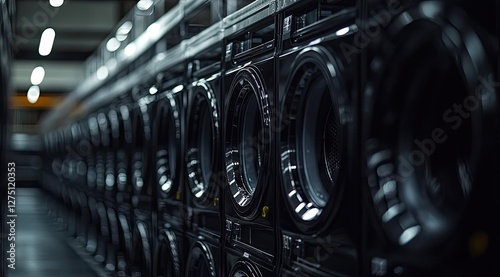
point(141, 251)
point(168, 259)
point(244, 269)
point(167, 146)
point(114, 126)
point(122, 154)
point(104, 129)
point(104, 133)
point(93, 127)
point(313, 142)
point(111, 157)
point(139, 145)
point(429, 112)
point(247, 141)
point(202, 140)
point(200, 261)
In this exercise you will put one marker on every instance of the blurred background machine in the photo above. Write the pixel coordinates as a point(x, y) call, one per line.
point(252, 138)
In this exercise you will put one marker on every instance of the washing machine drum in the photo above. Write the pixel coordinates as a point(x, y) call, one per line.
point(313, 139)
point(168, 259)
point(244, 269)
point(202, 140)
point(247, 141)
point(429, 106)
point(167, 136)
point(200, 261)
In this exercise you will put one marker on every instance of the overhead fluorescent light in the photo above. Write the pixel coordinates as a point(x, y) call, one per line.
point(122, 32)
point(113, 44)
point(144, 5)
point(56, 3)
point(37, 75)
point(33, 94)
point(46, 41)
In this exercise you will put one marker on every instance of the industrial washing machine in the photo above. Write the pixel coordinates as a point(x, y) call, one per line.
point(142, 190)
point(249, 90)
point(430, 126)
point(169, 189)
point(167, 156)
point(124, 186)
point(203, 171)
point(96, 243)
point(316, 139)
point(104, 166)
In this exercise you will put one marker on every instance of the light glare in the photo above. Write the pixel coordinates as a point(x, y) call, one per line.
point(46, 42)
point(37, 75)
point(144, 5)
point(56, 3)
point(33, 94)
point(113, 44)
point(129, 50)
point(153, 90)
point(122, 32)
point(342, 31)
point(102, 72)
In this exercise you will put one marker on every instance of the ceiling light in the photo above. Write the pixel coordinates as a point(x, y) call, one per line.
point(33, 94)
point(56, 3)
point(144, 5)
point(102, 72)
point(113, 44)
point(37, 75)
point(122, 32)
point(47, 41)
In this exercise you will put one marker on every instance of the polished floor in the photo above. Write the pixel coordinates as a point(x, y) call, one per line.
point(43, 248)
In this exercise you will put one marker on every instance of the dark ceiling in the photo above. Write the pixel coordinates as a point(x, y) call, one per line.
point(80, 26)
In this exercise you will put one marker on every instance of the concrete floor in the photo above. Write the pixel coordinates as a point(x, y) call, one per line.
point(42, 246)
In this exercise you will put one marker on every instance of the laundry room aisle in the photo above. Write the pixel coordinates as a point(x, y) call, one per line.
point(42, 247)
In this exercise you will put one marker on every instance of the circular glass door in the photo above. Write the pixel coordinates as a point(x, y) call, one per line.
point(312, 143)
point(168, 136)
point(202, 139)
point(200, 261)
point(424, 129)
point(247, 140)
